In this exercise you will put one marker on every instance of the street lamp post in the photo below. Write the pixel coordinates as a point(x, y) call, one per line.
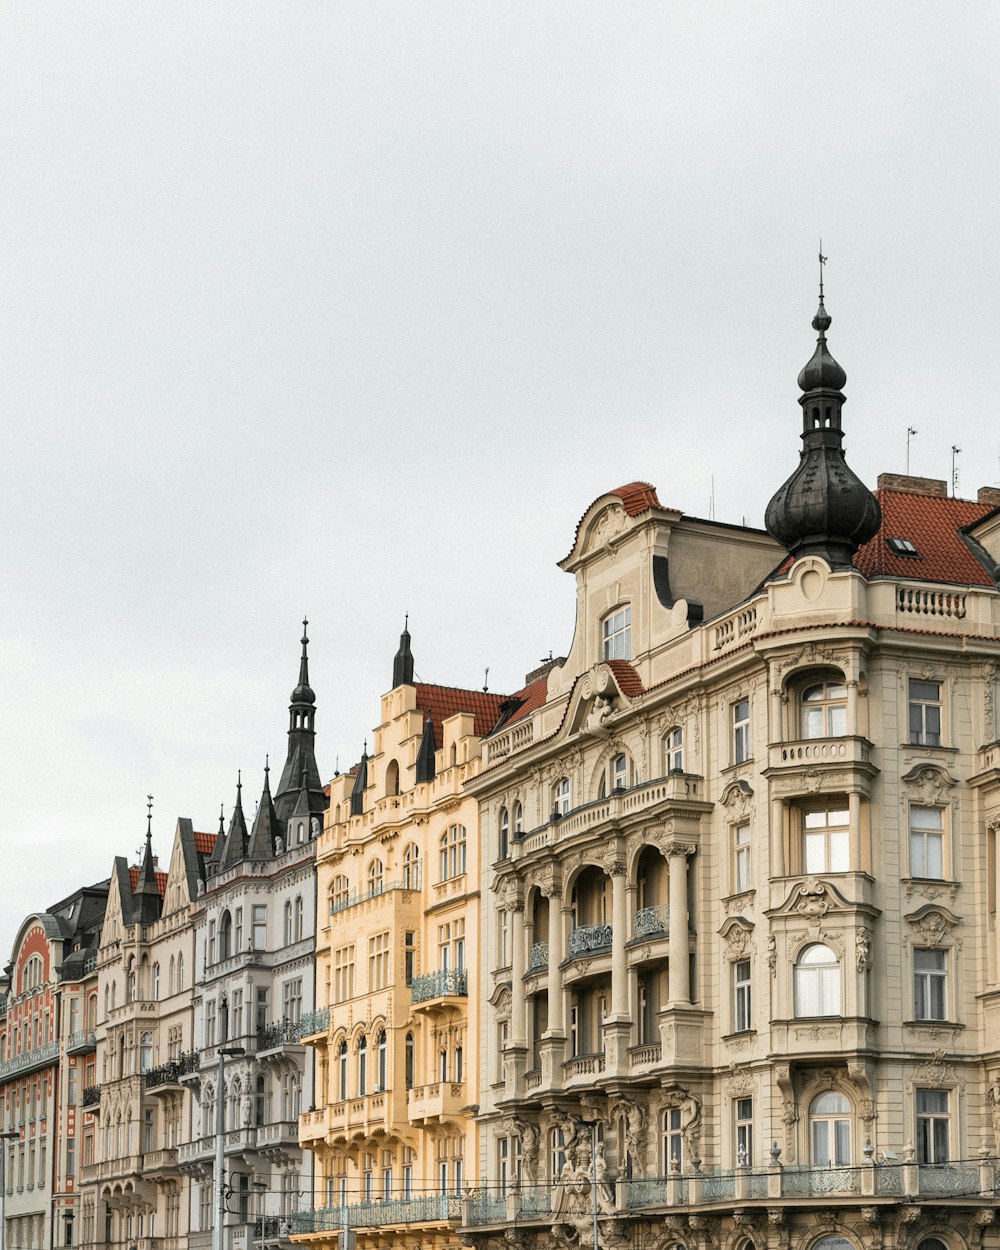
point(218, 1232)
point(4, 1138)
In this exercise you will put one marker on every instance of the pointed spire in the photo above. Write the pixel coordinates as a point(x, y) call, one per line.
point(234, 849)
point(823, 509)
point(358, 793)
point(146, 894)
point(425, 755)
point(402, 665)
point(300, 770)
point(266, 826)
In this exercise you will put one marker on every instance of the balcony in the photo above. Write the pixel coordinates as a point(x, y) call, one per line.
point(274, 1038)
point(435, 1103)
point(538, 957)
point(584, 1065)
point(651, 922)
point(81, 1042)
point(589, 940)
point(166, 1079)
point(314, 1126)
point(443, 984)
point(279, 1136)
point(312, 1023)
point(195, 1151)
point(40, 1057)
point(436, 1209)
point(356, 898)
point(92, 1096)
point(160, 1163)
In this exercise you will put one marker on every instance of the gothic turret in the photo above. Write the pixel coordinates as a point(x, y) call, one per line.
point(235, 846)
point(146, 901)
point(358, 793)
point(266, 826)
point(402, 665)
point(300, 771)
point(823, 509)
point(426, 754)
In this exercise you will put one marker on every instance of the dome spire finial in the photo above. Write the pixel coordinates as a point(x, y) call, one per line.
point(823, 509)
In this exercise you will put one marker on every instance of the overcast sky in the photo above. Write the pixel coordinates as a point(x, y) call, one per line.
point(352, 310)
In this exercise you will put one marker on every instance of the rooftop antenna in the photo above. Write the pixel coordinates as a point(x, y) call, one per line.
point(486, 680)
point(822, 261)
point(955, 451)
point(910, 431)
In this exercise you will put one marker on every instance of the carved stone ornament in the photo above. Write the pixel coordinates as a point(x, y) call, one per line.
point(808, 656)
point(934, 1072)
point(927, 783)
point(863, 947)
point(736, 799)
point(989, 678)
point(609, 525)
point(737, 933)
point(931, 925)
point(741, 1082)
point(772, 953)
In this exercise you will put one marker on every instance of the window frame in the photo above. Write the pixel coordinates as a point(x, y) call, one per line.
point(928, 983)
point(920, 836)
point(918, 732)
point(740, 726)
point(616, 633)
point(833, 837)
point(827, 976)
point(742, 863)
point(742, 983)
point(928, 1124)
point(825, 705)
point(673, 750)
point(831, 1118)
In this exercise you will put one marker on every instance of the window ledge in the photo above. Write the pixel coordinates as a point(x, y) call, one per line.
point(932, 1024)
point(748, 1033)
point(740, 900)
point(931, 887)
point(734, 768)
point(921, 746)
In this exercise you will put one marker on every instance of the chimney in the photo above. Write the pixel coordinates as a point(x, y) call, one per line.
point(989, 495)
point(937, 488)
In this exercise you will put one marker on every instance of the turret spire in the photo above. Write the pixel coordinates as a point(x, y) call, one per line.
point(402, 665)
point(823, 509)
point(300, 772)
point(234, 849)
point(146, 894)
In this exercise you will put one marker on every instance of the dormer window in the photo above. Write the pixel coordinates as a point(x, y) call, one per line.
point(902, 547)
point(616, 635)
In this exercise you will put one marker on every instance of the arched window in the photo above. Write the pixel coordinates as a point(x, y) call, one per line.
point(518, 818)
point(837, 1243)
point(409, 1061)
point(362, 1065)
point(411, 867)
point(823, 709)
point(673, 751)
point(172, 976)
point(260, 1101)
point(560, 797)
point(180, 972)
point(503, 834)
point(146, 1052)
point(299, 913)
point(114, 994)
point(830, 1130)
point(130, 982)
point(616, 778)
point(375, 878)
point(235, 1092)
point(616, 635)
point(155, 982)
point(225, 935)
point(392, 778)
point(342, 1071)
point(288, 921)
point(380, 1061)
point(932, 1243)
point(208, 1111)
point(817, 982)
point(340, 893)
point(453, 852)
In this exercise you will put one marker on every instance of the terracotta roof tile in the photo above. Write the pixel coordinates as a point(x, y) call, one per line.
point(204, 843)
point(161, 880)
point(629, 681)
point(637, 497)
point(932, 524)
point(531, 697)
point(440, 702)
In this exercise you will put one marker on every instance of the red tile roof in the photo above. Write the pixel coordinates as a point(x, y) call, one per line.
point(629, 681)
point(531, 697)
point(440, 702)
point(932, 524)
point(161, 880)
point(204, 843)
point(637, 497)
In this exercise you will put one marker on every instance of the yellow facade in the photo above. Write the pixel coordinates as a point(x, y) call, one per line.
point(397, 1048)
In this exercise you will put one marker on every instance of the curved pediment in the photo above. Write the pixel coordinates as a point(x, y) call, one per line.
point(599, 695)
point(813, 898)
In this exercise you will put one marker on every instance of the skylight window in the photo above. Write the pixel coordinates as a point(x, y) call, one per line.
point(903, 547)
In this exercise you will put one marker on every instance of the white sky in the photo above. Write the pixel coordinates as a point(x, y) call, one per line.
point(352, 309)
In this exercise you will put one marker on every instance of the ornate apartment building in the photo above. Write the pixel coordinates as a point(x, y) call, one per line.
point(255, 931)
point(396, 1033)
point(741, 964)
point(138, 1108)
point(48, 1015)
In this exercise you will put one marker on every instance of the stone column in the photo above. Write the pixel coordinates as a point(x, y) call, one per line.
point(858, 859)
point(518, 1033)
point(619, 936)
point(679, 947)
point(557, 930)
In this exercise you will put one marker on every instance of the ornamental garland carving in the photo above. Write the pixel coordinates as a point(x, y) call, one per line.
point(931, 925)
point(927, 783)
point(809, 655)
point(741, 1081)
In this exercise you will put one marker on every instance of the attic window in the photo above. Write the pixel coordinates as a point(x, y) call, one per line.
point(903, 547)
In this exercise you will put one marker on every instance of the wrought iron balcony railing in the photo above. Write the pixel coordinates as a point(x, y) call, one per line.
point(443, 984)
point(590, 938)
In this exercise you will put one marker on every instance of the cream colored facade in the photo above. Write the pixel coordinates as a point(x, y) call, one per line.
point(134, 1193)
point(747, 934)
point(397, 1038)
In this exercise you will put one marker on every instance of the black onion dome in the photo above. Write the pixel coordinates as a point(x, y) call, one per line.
point(824, 508)
point(822, 371)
